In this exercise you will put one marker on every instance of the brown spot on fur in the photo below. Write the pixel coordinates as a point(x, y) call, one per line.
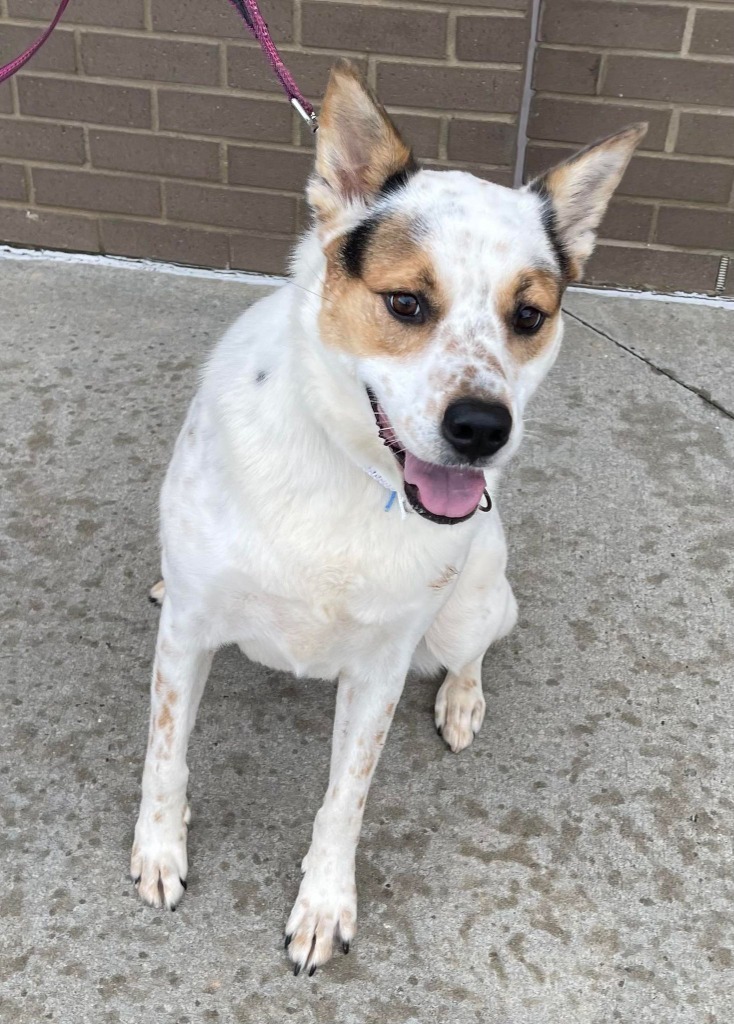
point(535, 287)
point(353, 314)
point(165, 719)
point(379, 738)
point(158, 817)
point(171, 696)
point(360, 803)
point(446, 576)
point(390, 708)
point(367, 766)
point(160, 683)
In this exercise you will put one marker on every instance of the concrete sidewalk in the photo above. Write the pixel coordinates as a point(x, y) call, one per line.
point(574, 866)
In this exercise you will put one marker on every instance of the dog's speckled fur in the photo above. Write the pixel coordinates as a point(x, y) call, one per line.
point(275, 538)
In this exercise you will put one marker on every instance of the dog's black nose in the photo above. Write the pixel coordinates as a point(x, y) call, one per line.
point(476, 429)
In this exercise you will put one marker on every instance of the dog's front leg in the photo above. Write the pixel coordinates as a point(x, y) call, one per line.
point(159, 861)
point(326, 907)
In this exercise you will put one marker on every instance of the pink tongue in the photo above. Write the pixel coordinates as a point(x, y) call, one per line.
point(443, 490)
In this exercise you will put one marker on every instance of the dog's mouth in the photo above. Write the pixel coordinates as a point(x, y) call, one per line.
point(443, 494)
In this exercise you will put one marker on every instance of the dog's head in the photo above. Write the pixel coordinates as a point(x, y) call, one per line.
point(441, 292)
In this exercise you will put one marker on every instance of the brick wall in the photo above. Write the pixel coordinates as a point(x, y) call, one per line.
point(154, 127)
point(601, 63)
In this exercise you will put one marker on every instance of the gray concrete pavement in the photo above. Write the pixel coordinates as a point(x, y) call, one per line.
point(574, 866)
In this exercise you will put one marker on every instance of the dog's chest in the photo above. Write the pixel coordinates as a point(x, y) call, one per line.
point(318, 616)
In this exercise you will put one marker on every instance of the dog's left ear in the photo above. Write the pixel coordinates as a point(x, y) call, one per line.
point(359, 150)
point(576, 194)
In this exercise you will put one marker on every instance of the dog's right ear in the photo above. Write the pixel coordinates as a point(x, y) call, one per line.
point(359, 151)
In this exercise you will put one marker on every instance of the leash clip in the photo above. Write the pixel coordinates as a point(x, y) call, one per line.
point(310, 119)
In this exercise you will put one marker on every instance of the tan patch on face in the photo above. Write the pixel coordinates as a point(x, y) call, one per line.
point(353, 314)
point(540, 289)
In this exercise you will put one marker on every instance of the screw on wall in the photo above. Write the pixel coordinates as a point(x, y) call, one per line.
point(721, 275)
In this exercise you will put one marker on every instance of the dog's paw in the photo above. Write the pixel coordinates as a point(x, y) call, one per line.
point(159, 862)
point(325, 912)
point(459, 710)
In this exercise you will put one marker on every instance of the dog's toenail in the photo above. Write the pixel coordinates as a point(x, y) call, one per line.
point(288, 939)
point(297, 970)
point(345, 947)
point(312, 971)
point(184, 883)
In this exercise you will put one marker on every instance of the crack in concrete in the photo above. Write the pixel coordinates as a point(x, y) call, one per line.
point(701, 393)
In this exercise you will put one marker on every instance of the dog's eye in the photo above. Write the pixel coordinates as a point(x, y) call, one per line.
point(404, 306)
point(528, 320)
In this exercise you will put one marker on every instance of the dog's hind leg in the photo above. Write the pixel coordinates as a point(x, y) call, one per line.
point(480, 610)
point(326, 907)
point(159, 863)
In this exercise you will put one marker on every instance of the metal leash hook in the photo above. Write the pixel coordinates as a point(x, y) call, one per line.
point(310, 119)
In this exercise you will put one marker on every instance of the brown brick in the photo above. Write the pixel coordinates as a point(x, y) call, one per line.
point(221, 115)
point(561, 120)
point(377, 28)
point(261, 253)
point(57, 54)
point(668, 79)
point(506, 5)
point(12, 182)
point(121, 14)
point(254, 211)
point(655, 269)
point(627, 221)
point(703, 229)
point(489, 38)
point(154, 154)
point(90, 190)
point(161, 60)
point(498, 175)
point(219, 19)
point(84, 101)
point(713, 32)
point(623, 25)
point(490, 142)
point(447, 88)
point(247, 70)
point(48, 230)
point(678, 179)
point(573, 71)
point(31, 140)
point(652, 177)
point(706, 134)
point(269, 168)
point(167, 242)
point(421, 133)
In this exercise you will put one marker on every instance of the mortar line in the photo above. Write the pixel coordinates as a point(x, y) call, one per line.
point(700, 392)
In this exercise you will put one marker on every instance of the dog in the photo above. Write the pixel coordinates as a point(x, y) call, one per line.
point(328, 506)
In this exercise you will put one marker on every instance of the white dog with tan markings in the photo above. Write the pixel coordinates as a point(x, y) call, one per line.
point(328, 504)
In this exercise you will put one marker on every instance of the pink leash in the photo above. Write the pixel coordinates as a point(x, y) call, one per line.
point(250, 14)
point(8, 70)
